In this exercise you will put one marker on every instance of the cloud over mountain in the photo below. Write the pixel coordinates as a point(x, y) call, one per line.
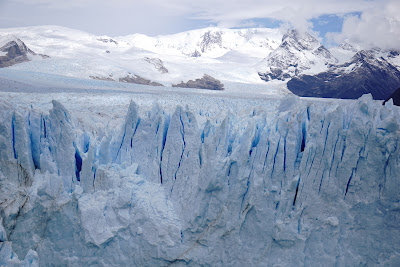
point(162, 17)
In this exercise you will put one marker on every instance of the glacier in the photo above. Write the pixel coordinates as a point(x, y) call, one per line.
point(290, 182)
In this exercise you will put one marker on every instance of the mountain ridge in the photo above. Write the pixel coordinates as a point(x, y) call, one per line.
point(297, 52)
point(14, 51)
point(364, 74)
point(254, 56)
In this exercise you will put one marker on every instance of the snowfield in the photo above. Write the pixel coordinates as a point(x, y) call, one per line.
point(110, 174)
point(226, 54)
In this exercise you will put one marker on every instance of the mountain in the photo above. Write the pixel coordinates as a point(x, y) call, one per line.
point(229, 55)
point(209, 42)
point(297, 53)
point(364, 73)
point(13, 51)
point(265, 59)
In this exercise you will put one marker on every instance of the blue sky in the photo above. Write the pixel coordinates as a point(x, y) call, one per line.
point(321, 25)
point(327, 23)
point(330, 23)
point(331, 20)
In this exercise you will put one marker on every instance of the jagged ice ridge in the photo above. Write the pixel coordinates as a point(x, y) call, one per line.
point(307, 183)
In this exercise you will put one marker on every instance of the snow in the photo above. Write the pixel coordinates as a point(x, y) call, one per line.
point(138, 175)
point(188, 42)
point(298, 53)
point(4, 39)
point(229, 55)
point(106, 173)
point(21, 79)
point(396, 61)
point(78, 54)
point(343, 55)
point(350, 68)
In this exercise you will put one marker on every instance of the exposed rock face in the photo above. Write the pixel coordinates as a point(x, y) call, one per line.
point(139, 80)
point(15, 51)
point(396, 97)
point(157, 63)
point(365, 73)
point(207, 82)
point(297, 52)
point(210, 40)
point(195, 54)
point(102, 78)
point(393, 54)
point(348, 47)
point(106, 40)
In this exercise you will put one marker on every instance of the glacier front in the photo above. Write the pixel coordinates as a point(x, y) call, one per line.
point(286, 183)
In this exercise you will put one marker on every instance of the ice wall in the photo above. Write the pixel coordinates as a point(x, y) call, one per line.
point(312, 183)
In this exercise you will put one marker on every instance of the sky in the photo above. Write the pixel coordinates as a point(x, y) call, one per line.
point(368, 23)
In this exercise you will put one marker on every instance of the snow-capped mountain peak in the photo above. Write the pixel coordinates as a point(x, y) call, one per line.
point(367, 56)
point(13, 51)
point(7, 40)
point(211, 42)
point(348, 47)
point(300, 41)
point(12, 44)
point(211, 39)
point(298, 52)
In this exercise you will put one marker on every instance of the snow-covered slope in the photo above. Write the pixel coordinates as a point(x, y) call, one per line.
point(225, 54)
point(344, 52)
point(92, 179)
point(232, 56)
point(297, 53)
point(211, 42)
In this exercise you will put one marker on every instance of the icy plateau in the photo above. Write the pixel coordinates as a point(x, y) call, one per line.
point(278, 181)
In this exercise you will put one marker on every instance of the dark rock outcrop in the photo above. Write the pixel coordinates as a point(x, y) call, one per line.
point(395, 96)
point(209, 40)
point(139, 80)
point(393, 54)
point(157, 63)
point(365, 73)
point(207, 82)
point(105, 40)
point(102, 78)
point(195, 54)
point(15, 51)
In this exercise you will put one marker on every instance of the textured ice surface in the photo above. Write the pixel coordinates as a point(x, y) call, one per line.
point(96, 180)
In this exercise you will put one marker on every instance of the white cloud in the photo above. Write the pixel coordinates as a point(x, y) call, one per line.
point(222, 12)
point(56, 4)
point(376, 27)
point(293, 11)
